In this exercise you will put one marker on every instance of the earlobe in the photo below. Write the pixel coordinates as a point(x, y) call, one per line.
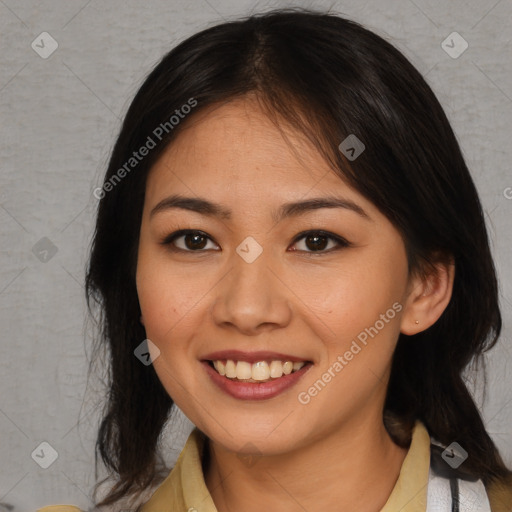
point(141, 319)
point(428, 299)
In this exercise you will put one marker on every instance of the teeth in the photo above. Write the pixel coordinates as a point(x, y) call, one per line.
point(243, 370)
point(220, 367)
point(260, 370)
point(257, 372)
point(287, 367)
point(276, 369)
point(230, 369)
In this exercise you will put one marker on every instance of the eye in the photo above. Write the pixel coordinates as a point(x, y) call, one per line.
point(317, 241)
point(192, 240)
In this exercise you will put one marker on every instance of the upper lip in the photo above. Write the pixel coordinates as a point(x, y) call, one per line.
point(251, 357)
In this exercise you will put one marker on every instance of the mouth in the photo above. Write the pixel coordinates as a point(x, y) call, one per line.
point(256, 375)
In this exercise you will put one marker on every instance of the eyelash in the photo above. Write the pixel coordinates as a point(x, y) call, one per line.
point(342, 243)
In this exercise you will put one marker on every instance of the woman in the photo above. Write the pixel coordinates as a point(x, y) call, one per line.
point(289, 233)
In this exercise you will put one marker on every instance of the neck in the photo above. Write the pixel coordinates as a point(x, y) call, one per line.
point(351, 468)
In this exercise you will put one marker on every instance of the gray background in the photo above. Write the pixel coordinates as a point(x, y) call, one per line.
point(59, 119)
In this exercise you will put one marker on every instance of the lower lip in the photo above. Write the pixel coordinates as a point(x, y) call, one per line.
point(255, 390)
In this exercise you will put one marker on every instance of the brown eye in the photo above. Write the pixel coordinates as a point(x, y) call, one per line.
point(187, 240)
point(193, 241)
point(318, 241)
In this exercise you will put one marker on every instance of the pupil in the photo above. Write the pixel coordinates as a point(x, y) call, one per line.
point(316, 244)
point(195, 244)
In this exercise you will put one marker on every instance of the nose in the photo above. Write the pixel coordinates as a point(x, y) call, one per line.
point(252, 298)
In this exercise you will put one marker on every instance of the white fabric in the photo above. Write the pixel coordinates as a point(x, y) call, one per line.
point(472, 495)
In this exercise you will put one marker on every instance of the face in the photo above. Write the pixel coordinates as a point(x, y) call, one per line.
point(255, 286)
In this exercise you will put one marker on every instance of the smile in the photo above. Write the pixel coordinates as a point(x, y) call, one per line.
point(254, 375)
point(260, 371)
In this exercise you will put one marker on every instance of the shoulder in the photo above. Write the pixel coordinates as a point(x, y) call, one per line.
point(500, 495)
point(59, 508)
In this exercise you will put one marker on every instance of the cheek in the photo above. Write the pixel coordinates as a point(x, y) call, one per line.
point(361, 305)
point(159, 299)
point(355, 297)
point(362, 308)
point(167, 294)
point(167, 302)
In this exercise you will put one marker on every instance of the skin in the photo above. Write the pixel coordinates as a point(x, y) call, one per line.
point(278, 454)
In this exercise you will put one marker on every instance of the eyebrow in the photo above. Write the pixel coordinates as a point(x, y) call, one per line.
point(205, 207)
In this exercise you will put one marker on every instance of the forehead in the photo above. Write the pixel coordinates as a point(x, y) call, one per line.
point(235, 149)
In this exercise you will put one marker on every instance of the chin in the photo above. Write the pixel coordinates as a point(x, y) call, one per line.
point(247, 436)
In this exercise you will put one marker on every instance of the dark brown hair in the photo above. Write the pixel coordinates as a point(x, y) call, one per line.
point(328, 77)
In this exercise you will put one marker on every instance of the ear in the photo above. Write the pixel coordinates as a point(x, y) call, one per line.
point(141, 319)
point(427, 298)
